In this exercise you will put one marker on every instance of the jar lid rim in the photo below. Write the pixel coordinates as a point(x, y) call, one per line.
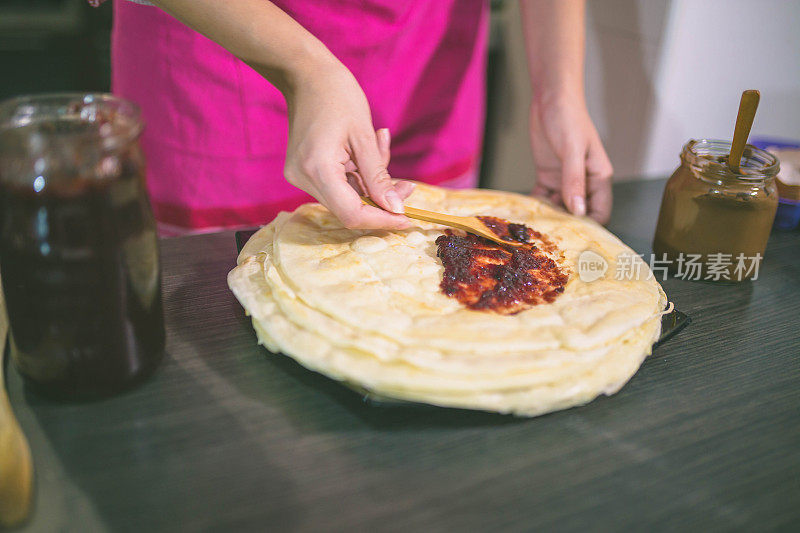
point(13, 114)
point(766, 164)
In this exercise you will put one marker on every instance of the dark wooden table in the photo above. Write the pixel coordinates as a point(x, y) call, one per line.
point(225, 435)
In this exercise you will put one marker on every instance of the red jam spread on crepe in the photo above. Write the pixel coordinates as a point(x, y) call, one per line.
point(487, 276)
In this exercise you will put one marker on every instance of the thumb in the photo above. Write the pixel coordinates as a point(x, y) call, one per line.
point(372, 169)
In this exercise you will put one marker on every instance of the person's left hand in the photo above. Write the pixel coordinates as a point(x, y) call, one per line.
point(572, 168)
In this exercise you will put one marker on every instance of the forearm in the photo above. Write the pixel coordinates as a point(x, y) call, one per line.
point(259, 33)
point(555, 40)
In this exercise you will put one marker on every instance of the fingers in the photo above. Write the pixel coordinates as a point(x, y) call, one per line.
point(384, 142)
point(551, 195)
point(370, 161)
point(344, 202)
point(573, 182)
point(598, 178)
point(583, 190)
point(384, 145)
point(339, 185)
point(354, 178)
point(404, 188)
point(356, 183)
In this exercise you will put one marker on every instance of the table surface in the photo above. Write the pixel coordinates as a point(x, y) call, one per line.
point(227, 435)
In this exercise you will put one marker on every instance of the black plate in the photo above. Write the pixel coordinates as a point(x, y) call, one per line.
point(671, 324)
point(242, 237)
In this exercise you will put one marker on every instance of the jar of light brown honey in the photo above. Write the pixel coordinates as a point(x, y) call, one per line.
point(714, 223)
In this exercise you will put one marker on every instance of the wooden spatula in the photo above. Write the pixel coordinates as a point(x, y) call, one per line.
point(741, 131)
point(470, 224)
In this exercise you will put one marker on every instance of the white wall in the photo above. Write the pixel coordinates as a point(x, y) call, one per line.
point(660, 72)
point(624, 41)
point(712, 51)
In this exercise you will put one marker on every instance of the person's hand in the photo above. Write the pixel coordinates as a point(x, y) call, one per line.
point(330, 127)
point(572, 167)
point(335, 154)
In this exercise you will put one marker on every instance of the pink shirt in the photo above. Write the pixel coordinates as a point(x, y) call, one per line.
point(216, 131)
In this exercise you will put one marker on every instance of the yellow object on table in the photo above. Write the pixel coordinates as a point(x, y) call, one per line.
point(16, 466)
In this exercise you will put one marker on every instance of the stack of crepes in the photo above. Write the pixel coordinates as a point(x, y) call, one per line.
point(365, 307)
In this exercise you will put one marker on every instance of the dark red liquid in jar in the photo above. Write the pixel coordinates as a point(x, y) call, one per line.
point(80, 273)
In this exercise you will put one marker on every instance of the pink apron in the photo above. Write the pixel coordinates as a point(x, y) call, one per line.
point(215, 136)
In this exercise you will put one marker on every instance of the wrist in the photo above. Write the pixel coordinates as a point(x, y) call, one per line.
point(300, 67)
point(558, 95)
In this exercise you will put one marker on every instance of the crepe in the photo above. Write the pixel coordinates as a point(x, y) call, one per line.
point(365, 307)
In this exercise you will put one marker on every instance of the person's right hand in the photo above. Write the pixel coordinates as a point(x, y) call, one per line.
point(330, 126)
point(335, 154)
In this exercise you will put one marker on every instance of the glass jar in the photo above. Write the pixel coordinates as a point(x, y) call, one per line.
point(79, 252)
point(714, 223)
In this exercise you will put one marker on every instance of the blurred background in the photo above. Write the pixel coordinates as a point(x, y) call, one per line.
point(658, 72)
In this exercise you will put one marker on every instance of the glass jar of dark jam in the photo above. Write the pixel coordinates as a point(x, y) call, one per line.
point(714, 223)
point(79, 254)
